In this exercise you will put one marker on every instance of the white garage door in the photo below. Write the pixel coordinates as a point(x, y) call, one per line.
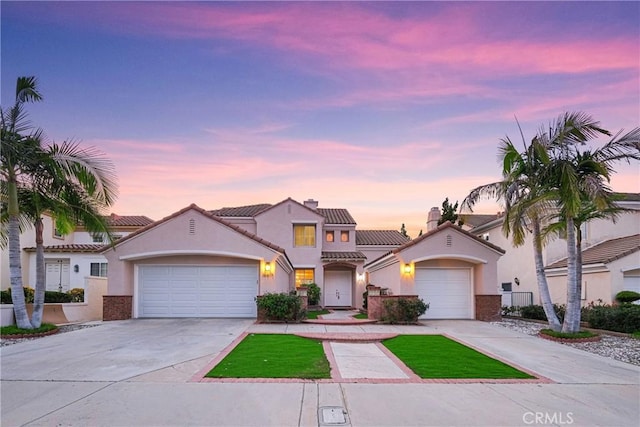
point(447, 291)
point(190, 291)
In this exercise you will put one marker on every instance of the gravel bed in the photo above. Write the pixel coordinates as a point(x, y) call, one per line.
point(61, 329)
point(624, 349)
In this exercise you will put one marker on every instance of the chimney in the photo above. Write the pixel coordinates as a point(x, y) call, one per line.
point(432, 219)
point(311, 204)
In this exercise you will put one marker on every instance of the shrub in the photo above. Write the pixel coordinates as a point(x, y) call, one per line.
point(5, 297)
point(623, 318)
point(313, 294)
point(627, 296)
point(56, 297)
point(567, 335)
point(77, 294)
point(281, 307)
point(403, 310)
point(537, 312)
point(28, 294)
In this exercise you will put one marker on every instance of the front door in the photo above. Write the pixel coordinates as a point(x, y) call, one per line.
point(57, 275)
point(337, 288)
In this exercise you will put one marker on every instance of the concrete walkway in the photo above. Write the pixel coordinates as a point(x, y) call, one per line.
point(138, 372)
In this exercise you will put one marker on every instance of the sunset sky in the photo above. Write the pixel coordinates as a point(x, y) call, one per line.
point(381, 108)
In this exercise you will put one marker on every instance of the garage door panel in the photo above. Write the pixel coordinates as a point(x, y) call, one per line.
point(192, 291)
point(447, 291)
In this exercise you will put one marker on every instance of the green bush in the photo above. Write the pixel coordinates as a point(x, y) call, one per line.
point(627, 296)
point(5, 297)
point(313, 294)
point(623, 318)
point(77, 294)
point(280, 307)
point(56, 297)
point(403, 310)
point(537, 312)
point(28, 294)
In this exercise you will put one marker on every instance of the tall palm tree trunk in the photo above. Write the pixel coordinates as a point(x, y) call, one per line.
point(38, 300)
point(15, 268)
point(571, 322)
point(543, 287)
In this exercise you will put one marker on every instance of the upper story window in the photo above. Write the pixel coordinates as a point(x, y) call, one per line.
point(304, 235)
point(57, 234)
point(97, 238)
point(344, 236)
point(329, 236)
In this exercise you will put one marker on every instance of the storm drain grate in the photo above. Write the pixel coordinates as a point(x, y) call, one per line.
point(332, 416)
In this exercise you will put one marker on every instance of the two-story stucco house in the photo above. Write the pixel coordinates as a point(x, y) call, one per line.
point(69, 259)
point(610, 251)
point(199, 263)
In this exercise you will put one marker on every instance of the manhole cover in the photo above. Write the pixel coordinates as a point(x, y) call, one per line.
point(332, 416)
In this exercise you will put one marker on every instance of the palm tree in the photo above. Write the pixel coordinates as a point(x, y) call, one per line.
point(16, 151)
point(526, 203)
point(74, 184)
point(580, 180)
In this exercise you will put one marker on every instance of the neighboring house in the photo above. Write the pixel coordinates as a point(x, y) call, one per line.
point(198, 263)
point(71, 258)
point(610, 250)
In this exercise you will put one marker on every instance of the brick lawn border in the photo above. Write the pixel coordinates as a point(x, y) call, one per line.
point(362, 337)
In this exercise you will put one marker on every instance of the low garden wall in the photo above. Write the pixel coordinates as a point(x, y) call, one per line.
point(6, 315)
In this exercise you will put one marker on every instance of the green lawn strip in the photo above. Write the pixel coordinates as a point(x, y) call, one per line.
point(14, 330)
point(316, 313)
point(361, 316)
point(436, 356)
point(274, 356)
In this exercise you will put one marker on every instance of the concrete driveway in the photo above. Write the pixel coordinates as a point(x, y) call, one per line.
point(138, 372)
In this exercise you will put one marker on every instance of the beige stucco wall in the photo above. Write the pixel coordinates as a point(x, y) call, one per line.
point(172, 243)
point(94, 289)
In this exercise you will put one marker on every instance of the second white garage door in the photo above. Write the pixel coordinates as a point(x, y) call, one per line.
point(447, 291)
point(197, 291)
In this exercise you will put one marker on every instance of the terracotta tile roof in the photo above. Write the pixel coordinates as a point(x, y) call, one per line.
point(343, 256)
point(73, 248)
point(629, 197)
point(197, 208)
point(475, 220)
point(605, 252)
point(380, 238)
point(240, 211)
point(128, 220)
point(336, 216)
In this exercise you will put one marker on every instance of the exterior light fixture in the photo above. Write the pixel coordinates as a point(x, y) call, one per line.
point(76, 268)
point(267, 270)
point(517, 281)
point(407, 268)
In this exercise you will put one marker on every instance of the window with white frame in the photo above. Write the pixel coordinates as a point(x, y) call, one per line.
point(98, 269)
point(304, 276)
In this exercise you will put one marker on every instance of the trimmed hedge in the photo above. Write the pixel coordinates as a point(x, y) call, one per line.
point(281, 307)
point(627, 296)
point(74, 295)
point(537, 312)
point(403, 310)
point(56, 297)
point(622, 318)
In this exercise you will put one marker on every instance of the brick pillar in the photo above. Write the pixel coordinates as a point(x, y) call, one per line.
point(374, 303)
point(117, 307)
point(304, 298)
point(488, 307)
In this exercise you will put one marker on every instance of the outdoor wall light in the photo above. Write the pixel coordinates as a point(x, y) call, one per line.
point(517, 281)
point(267, 269)
point(407, 269)
point(76, 268)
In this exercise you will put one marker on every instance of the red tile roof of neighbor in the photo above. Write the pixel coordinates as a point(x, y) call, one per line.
point(605, 252)
point(73, 248)
point(475, 220)
point(128, 220)
point(380, 238)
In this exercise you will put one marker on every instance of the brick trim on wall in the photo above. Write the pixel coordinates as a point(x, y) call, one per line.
point(117, 307)
point(488, 307)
